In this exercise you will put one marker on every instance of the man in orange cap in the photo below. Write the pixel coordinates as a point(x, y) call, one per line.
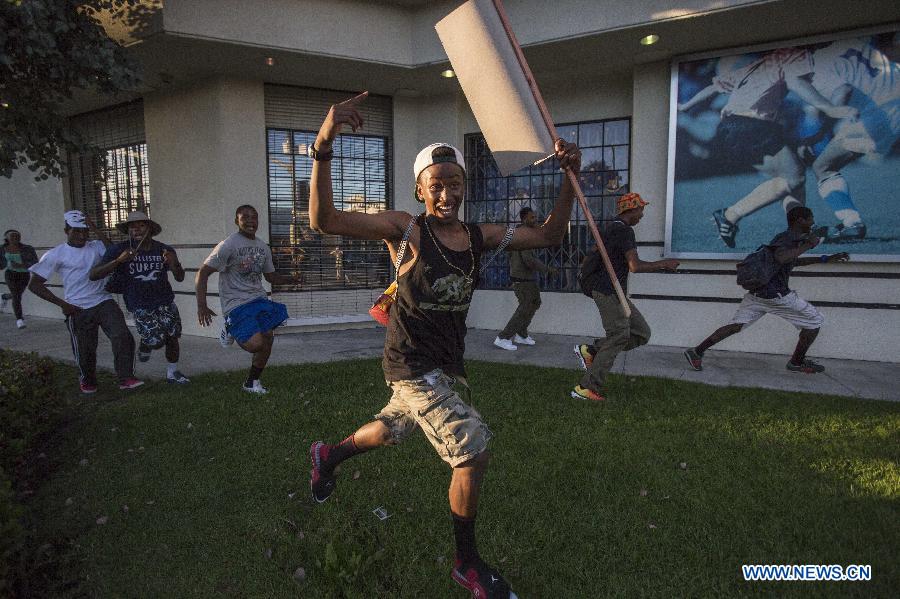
point(622, 333)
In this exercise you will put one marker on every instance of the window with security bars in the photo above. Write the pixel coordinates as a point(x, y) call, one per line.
point(111, 182)
point(493, 198)
point(360, 176)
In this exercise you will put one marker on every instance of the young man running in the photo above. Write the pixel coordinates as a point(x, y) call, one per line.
point(622, 334)
point(777, 298)
point(87, 305)
point(425, 339)
point(523, 269)
point(242, 261)
point(140, 266)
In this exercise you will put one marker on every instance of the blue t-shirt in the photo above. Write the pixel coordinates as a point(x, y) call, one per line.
point(145, 277)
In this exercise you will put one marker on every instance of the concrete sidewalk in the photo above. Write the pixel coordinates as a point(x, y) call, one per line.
point(875, 380)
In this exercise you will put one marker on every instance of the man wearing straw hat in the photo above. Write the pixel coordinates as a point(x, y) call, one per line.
point(139, 268)
point(622, 333)
point(86, 305)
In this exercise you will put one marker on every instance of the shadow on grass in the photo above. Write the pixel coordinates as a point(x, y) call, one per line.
point(663, 492)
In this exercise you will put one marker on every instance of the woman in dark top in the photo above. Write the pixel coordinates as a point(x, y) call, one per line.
point(16, 257)
point(425, 339)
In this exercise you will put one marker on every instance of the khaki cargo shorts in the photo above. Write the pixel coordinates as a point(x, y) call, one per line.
point(454, 428)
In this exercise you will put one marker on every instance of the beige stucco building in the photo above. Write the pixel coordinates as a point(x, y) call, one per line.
point(233, 88)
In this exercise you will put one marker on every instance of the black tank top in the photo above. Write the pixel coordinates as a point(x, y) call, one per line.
point(427, 327)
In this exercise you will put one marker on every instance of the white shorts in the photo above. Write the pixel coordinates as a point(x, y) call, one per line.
point(790, 307)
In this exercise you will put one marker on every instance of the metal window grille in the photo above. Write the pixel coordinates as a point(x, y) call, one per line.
point(361, 169)
point(108, 184)
point(495, 199)
point(359, 175)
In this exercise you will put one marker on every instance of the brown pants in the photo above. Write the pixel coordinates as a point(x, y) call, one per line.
point(622, 334)
point(529, 296)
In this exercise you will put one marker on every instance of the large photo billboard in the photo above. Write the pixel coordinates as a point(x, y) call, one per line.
point(755, 132)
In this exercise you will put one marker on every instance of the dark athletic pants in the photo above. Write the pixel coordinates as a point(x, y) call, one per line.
point(17, 283)
point(529, 295)
point(83, 331)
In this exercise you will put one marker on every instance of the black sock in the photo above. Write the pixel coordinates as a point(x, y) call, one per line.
point(338, 453)
point(464, 533)
point(254, 375)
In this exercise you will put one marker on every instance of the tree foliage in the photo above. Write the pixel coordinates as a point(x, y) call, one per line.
point(50, 50)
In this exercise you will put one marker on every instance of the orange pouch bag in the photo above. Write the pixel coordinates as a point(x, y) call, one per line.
point(381, 309)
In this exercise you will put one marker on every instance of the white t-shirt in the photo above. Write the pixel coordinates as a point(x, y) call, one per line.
point(74, 266)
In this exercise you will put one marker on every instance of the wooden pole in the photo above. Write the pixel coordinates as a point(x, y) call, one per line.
point(551, 128)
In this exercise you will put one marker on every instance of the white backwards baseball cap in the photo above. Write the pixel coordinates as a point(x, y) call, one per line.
point(426, 158)
point(75, 219)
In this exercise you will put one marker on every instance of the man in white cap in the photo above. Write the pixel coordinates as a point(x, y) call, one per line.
point(87, 305)
point(425, 340)
point(139, 268)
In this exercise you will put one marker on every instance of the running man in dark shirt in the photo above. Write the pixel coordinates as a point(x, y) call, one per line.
point(777, 298)
point(424, 344)
point(622, 333)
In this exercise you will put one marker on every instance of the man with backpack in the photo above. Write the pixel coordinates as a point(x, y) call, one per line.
point(765, 274)
point(622, 332)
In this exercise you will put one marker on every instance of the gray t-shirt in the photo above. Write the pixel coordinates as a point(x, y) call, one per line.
point(241, 263)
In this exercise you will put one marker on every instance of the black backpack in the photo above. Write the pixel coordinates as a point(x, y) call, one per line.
point(757, 269)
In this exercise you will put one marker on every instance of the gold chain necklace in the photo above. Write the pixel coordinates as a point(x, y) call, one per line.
point(468, 277)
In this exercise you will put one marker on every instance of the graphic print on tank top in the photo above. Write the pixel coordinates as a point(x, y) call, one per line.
point(452, 292)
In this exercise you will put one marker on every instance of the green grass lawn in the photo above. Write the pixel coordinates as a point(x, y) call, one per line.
point(664, 491)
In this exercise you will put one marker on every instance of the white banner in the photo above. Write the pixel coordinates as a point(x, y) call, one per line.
point(495, 86)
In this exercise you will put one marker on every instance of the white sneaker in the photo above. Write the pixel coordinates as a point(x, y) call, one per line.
point(523, 340)
point(505, 344)
point(255, 388)
point(20, 323)
point(225, 338)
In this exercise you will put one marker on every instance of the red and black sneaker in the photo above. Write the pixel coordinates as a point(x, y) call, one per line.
point(320, 484)
point(693, 358)
point(483, 581)
point(807, 366)
point(86, 387)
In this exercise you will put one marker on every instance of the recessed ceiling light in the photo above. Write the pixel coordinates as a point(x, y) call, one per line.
point(270, 61)
point(649, 40)
point(4, 104)
point(449, 74)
